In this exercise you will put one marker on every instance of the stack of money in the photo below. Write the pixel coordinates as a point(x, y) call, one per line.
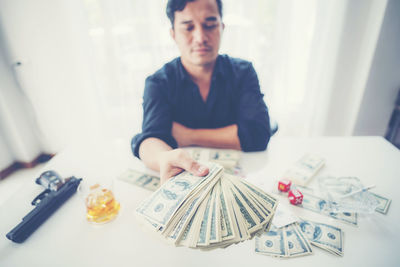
point(304, 169)
point(285, 242)
point(207, 212)
point(228, 158)
point(294, 240)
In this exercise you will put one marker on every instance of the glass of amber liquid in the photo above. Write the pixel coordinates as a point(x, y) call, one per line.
point(101, 206)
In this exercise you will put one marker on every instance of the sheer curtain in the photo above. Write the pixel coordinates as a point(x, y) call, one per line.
point(84, 62)
point(292, 45)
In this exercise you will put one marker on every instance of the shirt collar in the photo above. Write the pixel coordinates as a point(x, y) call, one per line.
point(218, 70)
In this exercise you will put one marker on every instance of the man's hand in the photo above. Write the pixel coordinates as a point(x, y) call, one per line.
point(175, 161)
point(182, 134)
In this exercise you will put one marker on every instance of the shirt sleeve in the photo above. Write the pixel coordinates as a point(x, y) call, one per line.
point(253, 120)
point(157, 120)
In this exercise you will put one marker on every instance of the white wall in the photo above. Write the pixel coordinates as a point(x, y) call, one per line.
point(18, 132)
point(6, 158)
point(361, 28)
point(50, 38)
point(384, 77)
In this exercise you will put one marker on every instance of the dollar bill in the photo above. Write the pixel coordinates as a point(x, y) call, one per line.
point(236, 171)
point(227, 220)
point(163, 203)
point(383, 205)
point(190, 205)
point(271, 243)
point(285, 242)
point(321, 206)
point(214, 226)
point(226, 157)
point(297, 244)
point(140, 179)
point(327, 237)
point(180, 228)
point(304, 169)
point(203, 239)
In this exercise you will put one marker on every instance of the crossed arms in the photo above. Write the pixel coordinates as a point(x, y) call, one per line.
point(156, 145)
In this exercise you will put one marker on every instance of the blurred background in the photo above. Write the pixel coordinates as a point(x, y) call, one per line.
point(75, 69)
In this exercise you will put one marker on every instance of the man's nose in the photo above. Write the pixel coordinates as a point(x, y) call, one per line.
point(200, 36)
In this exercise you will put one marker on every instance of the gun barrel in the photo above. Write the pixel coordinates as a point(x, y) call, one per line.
point(43, 210)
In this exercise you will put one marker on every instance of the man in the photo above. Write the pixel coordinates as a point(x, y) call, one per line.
point(201, 98)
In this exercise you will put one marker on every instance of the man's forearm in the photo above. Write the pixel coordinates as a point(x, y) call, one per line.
point(150, 151)
point(225, 137)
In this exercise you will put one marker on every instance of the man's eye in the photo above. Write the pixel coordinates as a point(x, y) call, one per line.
point(189, 28)
point(210, 27)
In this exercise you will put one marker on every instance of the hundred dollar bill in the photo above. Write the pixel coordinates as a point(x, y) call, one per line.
point(320, 205)
point(271, 243)
point(189, 207)
point(214, 226)
point(225, 157)
point(250, 206)
point(327, 237)
point(237, 226)
point(270, 203)
point(198, 222)
point(304, 169)
point(228, 158)
point(143, 180)
point(162, 204)
point(244, 214)
point(184, 240)
point(383, 205)
point(194, 231)
point(297, 244)
point(286, 242)
point(180, 228)
point(226, 218)
point(236, 171)
point(203, 236)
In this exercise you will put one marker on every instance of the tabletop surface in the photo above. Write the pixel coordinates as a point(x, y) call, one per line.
point(67, 239)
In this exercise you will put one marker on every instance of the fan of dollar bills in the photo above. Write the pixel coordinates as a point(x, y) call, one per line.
point(207, 212)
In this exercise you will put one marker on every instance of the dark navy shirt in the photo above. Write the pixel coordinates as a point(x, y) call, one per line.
point(234, 98)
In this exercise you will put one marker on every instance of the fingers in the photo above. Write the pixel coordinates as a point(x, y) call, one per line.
point(198, 169)
point(168, 172)
point(185, 161)
point(175, 161)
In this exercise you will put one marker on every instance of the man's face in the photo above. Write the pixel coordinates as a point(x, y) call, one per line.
point(197, 32)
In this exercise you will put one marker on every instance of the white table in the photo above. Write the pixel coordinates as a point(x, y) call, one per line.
point(66, 239)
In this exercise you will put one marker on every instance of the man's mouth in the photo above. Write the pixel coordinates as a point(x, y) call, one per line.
point(202, 50)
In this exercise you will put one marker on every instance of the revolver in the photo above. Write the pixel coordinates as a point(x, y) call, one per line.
point(58, 190)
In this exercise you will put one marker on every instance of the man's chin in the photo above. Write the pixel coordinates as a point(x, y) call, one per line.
point(203, 61)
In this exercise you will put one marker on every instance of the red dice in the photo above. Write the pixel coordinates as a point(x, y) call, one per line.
point(284, 185)
point(295, 197)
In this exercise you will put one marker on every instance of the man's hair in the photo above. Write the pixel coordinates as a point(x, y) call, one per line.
point(179, 5)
